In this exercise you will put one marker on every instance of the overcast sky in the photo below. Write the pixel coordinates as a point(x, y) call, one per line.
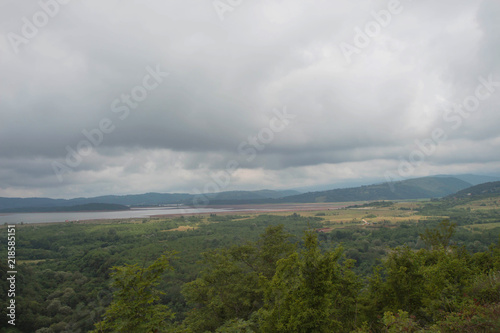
point(176, 95)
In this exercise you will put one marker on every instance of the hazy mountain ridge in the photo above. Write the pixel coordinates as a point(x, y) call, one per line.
point(416, 188)
point(473, 179)
point(91, 207)
point(481, 190)
point(147, 199)
point(251, 195)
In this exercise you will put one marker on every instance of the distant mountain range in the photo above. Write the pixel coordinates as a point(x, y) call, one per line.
point(417, 188)
point(469, 178)
point(92, 207)
point(478, 191)
point(8, 205)
point(473, 179)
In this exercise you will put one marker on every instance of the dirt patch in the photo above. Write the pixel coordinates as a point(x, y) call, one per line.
point(182, 228)
point(264, 208)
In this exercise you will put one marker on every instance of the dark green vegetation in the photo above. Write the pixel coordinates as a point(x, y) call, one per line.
point(250, 195)
point(266, 273)
point(474, 179)
point(91, 207)
point(374, 204)
point(418, 188)
point(479, 191)
point(134, 308)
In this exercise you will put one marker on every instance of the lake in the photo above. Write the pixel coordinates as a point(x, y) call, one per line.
point(15, 218)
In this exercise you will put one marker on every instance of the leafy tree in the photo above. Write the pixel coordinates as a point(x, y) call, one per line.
point(439, 236)
point(236, 326)
point(434, 286)
point(471, 317)
point(399, 322)
point(64, 272)
point(403, 286)
point(135, 305)
point(310, 292)
point(225, 290)
point(231, 285)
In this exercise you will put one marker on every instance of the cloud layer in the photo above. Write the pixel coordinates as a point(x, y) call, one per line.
point(358, 114)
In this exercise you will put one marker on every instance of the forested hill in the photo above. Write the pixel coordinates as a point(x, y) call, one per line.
point(481, 190)
point(91, 207)
point(417, 188)
point(252, 195)
point(146, 199)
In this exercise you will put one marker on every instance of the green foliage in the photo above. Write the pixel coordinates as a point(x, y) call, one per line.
point(229, 288)
point(64, 272)
point(471, 317)
point(402, 288)
point(485, 288)
point(135, 306)
point(479, 191)
point(374, 204)
point(399, 322)
point(416, 188)
point(431, 287)
point(80, 256)
point(364, 328)
point(236, 326)
point(439, 236)
point(310, 292)
point(224, 291)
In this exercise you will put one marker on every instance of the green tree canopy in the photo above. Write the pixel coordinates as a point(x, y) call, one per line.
point(135, 306)
point(311, 292)
point(231, 285)
point(439, 236)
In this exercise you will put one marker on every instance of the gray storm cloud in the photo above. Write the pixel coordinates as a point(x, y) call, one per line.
point(89, 68)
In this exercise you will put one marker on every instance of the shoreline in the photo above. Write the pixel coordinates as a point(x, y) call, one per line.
point(229, 210)
point(264, 208)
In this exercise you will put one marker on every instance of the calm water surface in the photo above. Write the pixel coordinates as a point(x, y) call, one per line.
point(78, 216)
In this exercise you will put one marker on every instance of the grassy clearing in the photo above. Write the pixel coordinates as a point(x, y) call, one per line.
point(395, 214)
point(356, 215)
point(338, 218)
point(32, 262)
point(484, 226)
point(182, 228)
point(482, 204)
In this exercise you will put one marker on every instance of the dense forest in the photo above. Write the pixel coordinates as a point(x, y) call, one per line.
point(435, 269)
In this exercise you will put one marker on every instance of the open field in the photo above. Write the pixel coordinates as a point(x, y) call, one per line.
point(333, 214)
point(329, 215)
point(483, 226)
point(487, 203)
